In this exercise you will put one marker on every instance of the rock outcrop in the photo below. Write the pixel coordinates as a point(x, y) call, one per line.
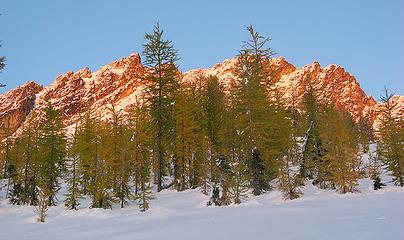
point(121, 83)
point(15, 106)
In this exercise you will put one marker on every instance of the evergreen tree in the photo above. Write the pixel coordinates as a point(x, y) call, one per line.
point(186, 137)
point(225, 179)
point(138, 120)
point(365, 133)
point(374, 168)
point(14, 172)
point(213, 104)
point(118, 158)
point(259, 181)
point(2, 65)
point(29, 136)
point(6, 146)
point(43, 206)
point(140, 153)
point(391, 144)
point(313, 150)
point(92, 146)
point(102, 184)
point(290, 179)
point(252, 107)
point(162, 83)
point(87, 149)
point(239, 182)
point(52, 148)
point(340, 140)
point(145, 193)
point(72, 178)
point(22, 157)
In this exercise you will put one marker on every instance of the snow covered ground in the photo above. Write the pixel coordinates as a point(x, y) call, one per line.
point(319, 214)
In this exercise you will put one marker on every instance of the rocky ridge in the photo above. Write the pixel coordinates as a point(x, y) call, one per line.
point(121, 83)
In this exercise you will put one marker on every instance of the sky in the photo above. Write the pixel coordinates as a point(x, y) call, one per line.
point(43, 39)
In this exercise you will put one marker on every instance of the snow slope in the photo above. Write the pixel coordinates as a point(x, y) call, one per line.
point(319, 214)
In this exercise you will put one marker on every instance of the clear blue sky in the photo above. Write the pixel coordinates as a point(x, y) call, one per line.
point(42, 39)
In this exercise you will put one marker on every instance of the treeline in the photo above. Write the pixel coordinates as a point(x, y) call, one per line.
point(187, 135)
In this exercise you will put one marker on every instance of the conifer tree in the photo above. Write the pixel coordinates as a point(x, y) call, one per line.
point(186, 137)
point(341, 142)
point(72, 178)
point(138, 120)
point(162, 83)
point(29, 136)
point(118, 159)
point(365, 133)
point(145, 193)
point(52, 148)
point(22, 154)
point(102, 184)
point(252, 105)
point(92, 146)
point(259, 182)
point(200, 172)
point(224, 179)
point(6, 144)
point(213, 104)
point(313, 150)
point(43, 206)
point(290, 179)
point(239, 182)
point(2, 65)
point(14, 173)
point(391, 144)
point(140, 153)
point(374, 169)
point(87, 149)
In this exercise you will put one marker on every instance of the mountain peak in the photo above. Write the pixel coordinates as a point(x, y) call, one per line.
point(120, 83)
point(16, 104)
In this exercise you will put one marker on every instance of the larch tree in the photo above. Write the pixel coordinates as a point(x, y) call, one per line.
point(186, 127)
point(72, 175)
point(86, 140)
point(252, 105)
point(313, 165)
point(6, 146)
point(2, 65)
point(103, 183)
point(374, 170)
point(52, 146)
point(340, 140)
point(145, 193)
point(239, 180)
point(90, 147)
point(366, 135)
point(118, 160)
point(391, 142)
point(23, 165)
point(138, 121)
point(162, 79)
point(29, 135)
point(290, 179)
point(212, 120)
point(14, 172)
point(43, 206)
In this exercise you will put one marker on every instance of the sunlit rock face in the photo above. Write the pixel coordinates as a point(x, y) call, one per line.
point(121, 83)
point(15, 106)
